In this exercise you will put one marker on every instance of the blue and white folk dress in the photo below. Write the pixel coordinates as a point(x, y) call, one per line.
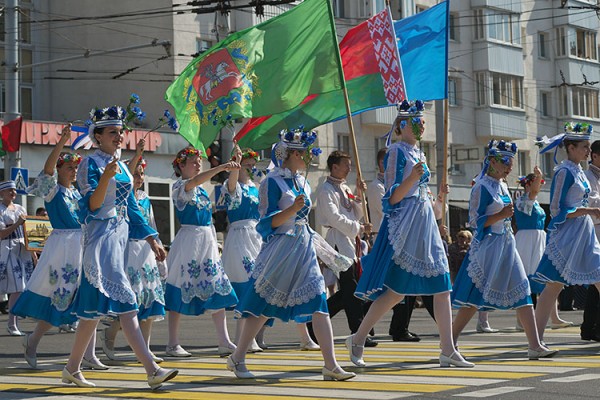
point(142, 268)
point(530, 218)
point(286, 282)
point(572, 255)
point(243, 242)
point(408, 256)
point(105, 289)
point(196, 280)
point(16, 264)
point(52, 286)
point(492, 274)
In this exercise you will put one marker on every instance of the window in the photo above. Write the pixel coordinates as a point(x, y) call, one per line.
point(585, 102)
point(507, 90)
point(160, 196)
point(26, 59)
point(504, 27)
point(522, 157)
point(343, 142)
point(26, 99)
point(542, 40)
point(548, 165)
point(481, 86)
point(420, 9)
point(25, 25)
point(584, 45)
point(561, 41)
point(544, 104)
point(456, 168)
point(479, 24)
point(453, 92)
point(563, 101)
point(338, 8)
point(452, 27)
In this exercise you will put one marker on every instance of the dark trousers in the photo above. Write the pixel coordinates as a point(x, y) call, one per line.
point(591, 313)
point(403, 312)
point(344, 299)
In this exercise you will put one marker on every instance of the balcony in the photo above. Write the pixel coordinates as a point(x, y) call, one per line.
point(500, 123)
point(381, 116)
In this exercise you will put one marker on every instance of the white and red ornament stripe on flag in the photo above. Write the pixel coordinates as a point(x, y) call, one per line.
point(386, 51)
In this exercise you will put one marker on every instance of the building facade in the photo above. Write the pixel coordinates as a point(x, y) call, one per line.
point(517, 70)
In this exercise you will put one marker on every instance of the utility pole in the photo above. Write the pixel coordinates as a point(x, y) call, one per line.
point(11, 76)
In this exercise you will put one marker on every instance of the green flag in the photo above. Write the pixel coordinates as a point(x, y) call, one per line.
point(266, 69)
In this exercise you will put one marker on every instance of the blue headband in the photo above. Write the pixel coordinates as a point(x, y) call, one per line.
point(7, 185)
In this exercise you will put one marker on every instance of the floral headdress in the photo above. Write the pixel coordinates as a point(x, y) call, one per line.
point(407, 111)
point(67, 158)
point(183, 155)
point(297, 139)
point(526, 180)
point(250, 154)
point(500, 151)
point(116, 116)
point(572, 131)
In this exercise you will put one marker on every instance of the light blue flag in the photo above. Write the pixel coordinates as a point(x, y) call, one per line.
point(423, 46)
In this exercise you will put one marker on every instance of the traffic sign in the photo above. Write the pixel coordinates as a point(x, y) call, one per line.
point(21, 178)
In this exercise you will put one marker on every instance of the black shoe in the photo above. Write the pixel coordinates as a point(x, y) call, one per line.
point(371, 342)
point(405, 337)
point(590, 336)
point(4, 307)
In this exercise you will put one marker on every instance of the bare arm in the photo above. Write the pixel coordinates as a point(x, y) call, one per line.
point(6, 232)
point(139, 150)
point(234, 173)
point(50, 165)
point(206, 175)
point(402, 190)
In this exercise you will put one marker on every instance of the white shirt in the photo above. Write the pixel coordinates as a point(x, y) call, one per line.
point(343, 224)
point(594, 197)
point(375, 192)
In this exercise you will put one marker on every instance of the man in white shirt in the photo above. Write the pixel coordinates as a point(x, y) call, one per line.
point(375, 192)
point(340, 212)
point(590, 327)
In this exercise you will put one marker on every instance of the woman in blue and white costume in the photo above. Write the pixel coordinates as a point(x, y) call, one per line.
point(530, 219)
point(243, 242)
point(141, 267)
point(286, 282)
point(408, 256)
point(492, 276)
point(572, 255)
point(16, 263)
point(49, 293)
point(109, 215)
point(196, 282)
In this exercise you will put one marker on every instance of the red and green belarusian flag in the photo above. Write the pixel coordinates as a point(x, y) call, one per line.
point(373, 76)
point(268, 68)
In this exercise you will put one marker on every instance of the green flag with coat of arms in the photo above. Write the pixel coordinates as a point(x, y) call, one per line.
point(265, 69)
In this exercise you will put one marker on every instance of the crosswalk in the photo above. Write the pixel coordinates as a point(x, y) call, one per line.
point(395, 370)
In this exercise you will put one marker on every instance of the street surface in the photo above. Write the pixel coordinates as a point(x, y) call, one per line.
point(396, 369)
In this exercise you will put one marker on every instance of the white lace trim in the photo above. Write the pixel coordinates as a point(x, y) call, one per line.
point(112, 290)
point(560, 263)
point(397, 236)
point(494, 297)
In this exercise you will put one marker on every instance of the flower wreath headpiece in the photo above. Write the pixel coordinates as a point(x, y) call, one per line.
point(67, 158)
point(499, 150)
point(250, 154)
point(407, 111)
point(184, 154)
point(297, 139)
point(572, 131)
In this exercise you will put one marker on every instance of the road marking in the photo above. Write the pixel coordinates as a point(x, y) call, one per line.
point(574, 378)
point(494, 391)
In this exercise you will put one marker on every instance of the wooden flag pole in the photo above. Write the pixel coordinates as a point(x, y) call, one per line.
point(445, 160)
point(355, 148)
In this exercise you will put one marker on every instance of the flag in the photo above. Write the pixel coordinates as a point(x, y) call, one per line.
point(373, 76)
point(268, 68)
point(423, 45)
point(422, 41)
point(11, 135)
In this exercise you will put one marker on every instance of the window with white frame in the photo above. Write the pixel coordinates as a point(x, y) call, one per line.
point(522, 157)
point(452, 27)
point(453, 92)
point(563, 101)
point(582, 44)
point(544, 104)
point(542, 43)
point(202, 45)
point(504, 27)
point(585, 102)
point(456, 168)
point(479, 24)
point(561, 41)
point(507, 90)
point(159, 193)
point(548, 164)
point(481, 87)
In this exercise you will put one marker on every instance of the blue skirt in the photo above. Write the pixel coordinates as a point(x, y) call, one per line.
point(33, 305)
point(197, 306)
point(90, 303)
point(380, 271)
point(252, 304)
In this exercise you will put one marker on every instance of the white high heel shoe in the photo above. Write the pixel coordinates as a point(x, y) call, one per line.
point(234, 367)
point(337, 374)
point(358, 361)
point(68, 377)
point(446, 361)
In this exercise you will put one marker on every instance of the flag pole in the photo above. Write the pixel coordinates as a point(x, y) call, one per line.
point(349, 115)
point(445, 159)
